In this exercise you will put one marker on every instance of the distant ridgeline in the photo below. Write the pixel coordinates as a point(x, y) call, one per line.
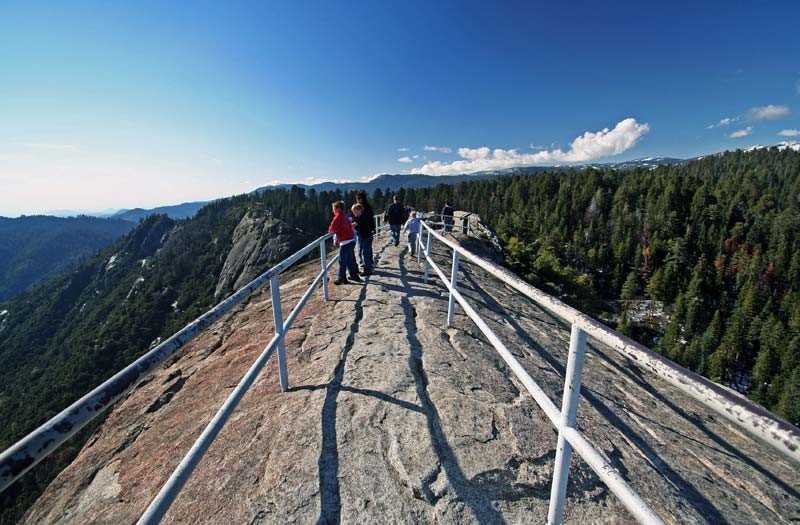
point(35, 248)
point(711, 248)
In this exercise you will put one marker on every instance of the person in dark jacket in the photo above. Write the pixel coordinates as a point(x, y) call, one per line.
point(364, 233)
point(396, 217)
point(447, 216)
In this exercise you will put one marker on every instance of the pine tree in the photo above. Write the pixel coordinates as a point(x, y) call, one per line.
point(789, 404)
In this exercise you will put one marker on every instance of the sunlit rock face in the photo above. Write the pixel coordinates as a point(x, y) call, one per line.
point(257, 240)
point(394, 418)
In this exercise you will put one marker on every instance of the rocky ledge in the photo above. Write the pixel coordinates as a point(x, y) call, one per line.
point(394, 418)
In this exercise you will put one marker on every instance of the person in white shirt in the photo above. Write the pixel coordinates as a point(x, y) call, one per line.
point(412, 226)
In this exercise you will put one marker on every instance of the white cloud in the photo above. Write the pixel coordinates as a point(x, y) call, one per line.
point(741, 133)
point(402, 149)
point(789, 133)
point(769, 112)
point(405, 159)
point(754, 114)
point(723, 122)
point(440, 149)
point(589, 146)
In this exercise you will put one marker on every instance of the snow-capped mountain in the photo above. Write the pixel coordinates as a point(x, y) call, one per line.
point(786, 144)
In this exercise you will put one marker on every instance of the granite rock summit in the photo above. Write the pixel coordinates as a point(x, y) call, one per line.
point(393, 418)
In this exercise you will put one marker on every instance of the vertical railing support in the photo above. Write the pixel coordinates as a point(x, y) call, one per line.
point(453, 280)
point(569, 412)
point(277, 315)
point(419, 244)
point(427, 255)
point(323, 256)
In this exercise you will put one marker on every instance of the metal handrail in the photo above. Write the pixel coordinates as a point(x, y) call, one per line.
point(27, 452)
point(752, 418)
point(781, 435)
point(166, 496)
point(23, 455)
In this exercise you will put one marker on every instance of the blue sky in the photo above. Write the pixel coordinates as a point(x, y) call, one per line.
point(113, 106)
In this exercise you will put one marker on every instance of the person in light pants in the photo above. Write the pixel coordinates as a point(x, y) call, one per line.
point(412, 226)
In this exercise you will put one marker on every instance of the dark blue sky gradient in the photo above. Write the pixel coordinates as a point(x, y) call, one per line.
point(209, 99)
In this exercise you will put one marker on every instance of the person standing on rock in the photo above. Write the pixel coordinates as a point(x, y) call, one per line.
point(447, 216)
point(364, 233)
point(395, 216)
point(412, 226)
point(345, 237)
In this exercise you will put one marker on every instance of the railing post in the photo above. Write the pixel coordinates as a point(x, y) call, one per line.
point(569, 411)
point(324, 259)
point(453, 282)
point(377, 224)
point(419, 243)
point(427, 255)
point(277, 315)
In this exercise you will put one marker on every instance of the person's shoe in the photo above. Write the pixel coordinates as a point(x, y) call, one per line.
point(356, 279)
point(396, 243)
point(340, 281)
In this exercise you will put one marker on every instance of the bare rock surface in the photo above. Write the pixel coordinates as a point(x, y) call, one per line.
point(394, 418)
point(257, 240)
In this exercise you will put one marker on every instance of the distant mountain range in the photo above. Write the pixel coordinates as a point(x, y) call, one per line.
point(36, 254)
point(394, 182)
point(178, 211)
point(786, 144)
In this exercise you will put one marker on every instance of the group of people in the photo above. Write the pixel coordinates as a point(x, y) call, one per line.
point(356, 233)
point(357, 230)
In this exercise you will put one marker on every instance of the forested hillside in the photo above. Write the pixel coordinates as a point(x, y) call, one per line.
point(35, 248)
point(715, 242)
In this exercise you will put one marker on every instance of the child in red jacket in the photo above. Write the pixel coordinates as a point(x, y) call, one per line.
point(344, 236)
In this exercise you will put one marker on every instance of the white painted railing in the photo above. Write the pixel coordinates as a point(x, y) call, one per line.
point(33, 448)
point(26, 453)
point(746, 415)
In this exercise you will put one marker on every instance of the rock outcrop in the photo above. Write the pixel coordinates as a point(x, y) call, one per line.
point(257, 240)
point(394, 418)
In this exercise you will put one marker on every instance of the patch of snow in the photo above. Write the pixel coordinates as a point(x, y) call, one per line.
point(175, 305)
point(111, 261)
point(144, 261)
point(140, 279)
point(4, 312)
point(788, 144)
